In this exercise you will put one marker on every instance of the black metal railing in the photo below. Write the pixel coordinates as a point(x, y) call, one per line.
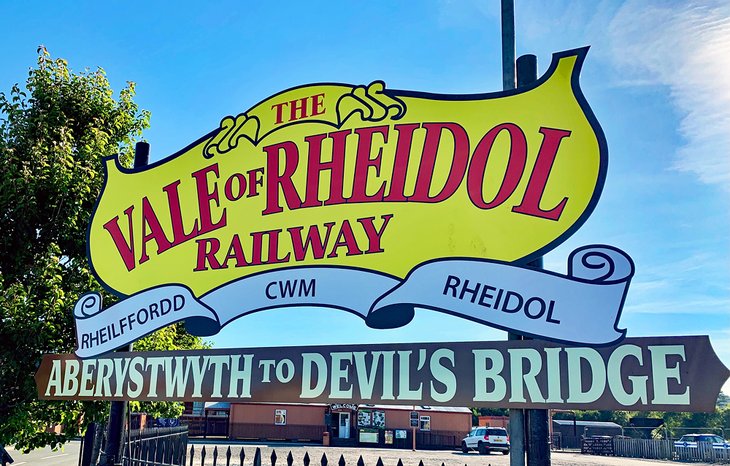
point(203, 455)
point(165, 446)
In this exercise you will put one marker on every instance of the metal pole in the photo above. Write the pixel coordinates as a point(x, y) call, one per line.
point(141, 154)
point(516, 416)
point(516, 428)
point(118, 409)
point(526, 75)
point(413, 431)
point(538, 438)
point(550, 428)
point(508, 44)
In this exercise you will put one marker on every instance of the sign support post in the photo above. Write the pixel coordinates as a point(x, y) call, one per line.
point(413, 426)
point(118, 409)
point(516, 416)
point(538, 440)
point(508, 44)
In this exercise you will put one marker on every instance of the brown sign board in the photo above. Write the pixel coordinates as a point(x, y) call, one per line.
point(653, 373)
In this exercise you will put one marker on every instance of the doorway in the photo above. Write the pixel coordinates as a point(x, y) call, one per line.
point(344, 426)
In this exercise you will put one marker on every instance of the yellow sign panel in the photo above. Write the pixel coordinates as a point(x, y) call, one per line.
point(357, 177)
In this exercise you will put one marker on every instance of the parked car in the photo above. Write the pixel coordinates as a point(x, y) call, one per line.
point(693, 440)
point(486, 439)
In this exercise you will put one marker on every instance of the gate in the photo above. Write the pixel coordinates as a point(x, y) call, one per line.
point(205, 426)
point(165, 446)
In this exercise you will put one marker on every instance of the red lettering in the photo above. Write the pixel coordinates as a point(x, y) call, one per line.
point(538, 179)
point(257, 247)
point(276, 180)
point(315, 166)
point(363, 162)
point(207, 248)
point(346, 238)
point(400, 162)
point(298, 109)
point(279, 112)
point(235, 251)
point(460, 159)
point(255, 180)
point(205, 196)
point(513, 172)
point(374, 234)
point(173, 202)
point(126, 249)
point(313, 240)
point(151, 222)
point(237, 193)
point(274, 248)
point(317, 104)
point(339, 143)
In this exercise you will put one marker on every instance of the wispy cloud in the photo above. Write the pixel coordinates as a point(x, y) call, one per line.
point(682, 46)
point(700, 305)
point(694, 284)
point(686, 47)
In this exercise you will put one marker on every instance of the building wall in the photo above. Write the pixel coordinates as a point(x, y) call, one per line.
point(256, 421)
point(244, 413)
point(494, 421)
point(448, 421)
point(307, 422)
point(447, 428)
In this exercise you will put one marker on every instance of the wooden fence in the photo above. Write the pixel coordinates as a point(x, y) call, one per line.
point(437, 439)
point(643, 448)
point(657, 449)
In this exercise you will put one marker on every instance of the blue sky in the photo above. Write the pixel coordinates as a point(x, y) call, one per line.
point(656, 78)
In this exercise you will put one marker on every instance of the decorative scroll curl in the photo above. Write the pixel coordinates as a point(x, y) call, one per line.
point(232, 129)
point(88, 305)
point(371, 103)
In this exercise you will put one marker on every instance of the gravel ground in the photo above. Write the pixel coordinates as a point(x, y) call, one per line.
point(390, 457)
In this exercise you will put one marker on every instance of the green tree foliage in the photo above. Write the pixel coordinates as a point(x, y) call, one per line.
point(53, 135)
point(168, 338)
point(675, 424)
point(723, 401)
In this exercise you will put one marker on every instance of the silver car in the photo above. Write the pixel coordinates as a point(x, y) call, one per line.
point(486, 439)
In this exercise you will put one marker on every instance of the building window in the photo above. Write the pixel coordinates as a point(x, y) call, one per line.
point(425, 423)
point(280, 417)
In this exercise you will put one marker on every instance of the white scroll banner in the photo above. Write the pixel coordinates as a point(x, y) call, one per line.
point(582, 307)
point(99, 331)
